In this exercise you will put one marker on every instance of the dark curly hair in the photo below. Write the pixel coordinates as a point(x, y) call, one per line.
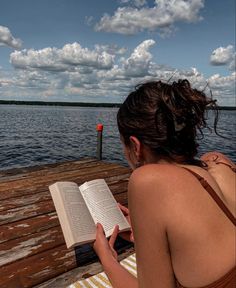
point(165, 117)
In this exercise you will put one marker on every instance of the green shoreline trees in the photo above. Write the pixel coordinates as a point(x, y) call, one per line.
point(78, 104)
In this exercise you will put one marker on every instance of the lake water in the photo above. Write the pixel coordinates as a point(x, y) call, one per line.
point(35, 135)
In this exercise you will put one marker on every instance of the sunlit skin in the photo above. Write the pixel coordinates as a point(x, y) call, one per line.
point(179, 230)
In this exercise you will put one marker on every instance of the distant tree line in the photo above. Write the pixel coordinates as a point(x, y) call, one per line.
point(79, 104)
point(43, 103)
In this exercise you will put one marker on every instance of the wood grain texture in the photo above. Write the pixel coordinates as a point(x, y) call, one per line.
point(32, 246)
point(79, 273)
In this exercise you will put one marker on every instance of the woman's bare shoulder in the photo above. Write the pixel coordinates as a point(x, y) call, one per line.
point(156, 189)
point(155, 172)
point(159, 179)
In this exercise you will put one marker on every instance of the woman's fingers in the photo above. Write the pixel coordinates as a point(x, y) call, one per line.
point(132, 237)
point(100, 231)
point(123, 209)
point(100, 228)
point(114, 236)
point(102, 247)
point(101, 234)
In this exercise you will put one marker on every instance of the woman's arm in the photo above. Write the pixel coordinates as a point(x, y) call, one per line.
point(217, 157)
point(223, 170)
point(118, 275)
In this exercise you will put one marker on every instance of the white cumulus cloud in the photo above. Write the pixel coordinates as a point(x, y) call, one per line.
point(46, 59)
point(76, 55)
point(84, 76)
point(6, 38)
point(138, 63)
point(164, 13)
point(71, 56)
point(223, 88)
point(110, 49)
point(222, 55)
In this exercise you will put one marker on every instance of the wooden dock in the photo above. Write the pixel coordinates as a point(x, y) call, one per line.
point(32, 247)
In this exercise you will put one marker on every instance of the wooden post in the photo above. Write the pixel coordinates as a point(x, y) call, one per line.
point(99, 141)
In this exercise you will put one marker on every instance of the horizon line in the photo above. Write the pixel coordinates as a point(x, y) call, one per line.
point(79, 104)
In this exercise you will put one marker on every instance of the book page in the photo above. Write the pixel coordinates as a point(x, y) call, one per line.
point(79, 218)
point(103, 206)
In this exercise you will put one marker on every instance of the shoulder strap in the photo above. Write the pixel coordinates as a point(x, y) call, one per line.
point(214, 195)
point(226, 164)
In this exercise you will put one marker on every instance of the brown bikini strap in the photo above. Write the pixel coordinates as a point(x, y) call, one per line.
point(231, 167)
point(215, 196)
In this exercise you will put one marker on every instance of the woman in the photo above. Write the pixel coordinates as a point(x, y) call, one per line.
point(182, 209)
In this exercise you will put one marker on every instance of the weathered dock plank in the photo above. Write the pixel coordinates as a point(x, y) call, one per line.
point(28, 186)
point(17, 173)
point(29, 245)
point(39, 207)
point(28, 226)
point(21, 200)
point(41, 177)
point(32, 247)
point(15, 229)
point(35, 269)
point(79, 273)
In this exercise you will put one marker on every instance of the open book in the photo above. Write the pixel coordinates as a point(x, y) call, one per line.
point(79, 208)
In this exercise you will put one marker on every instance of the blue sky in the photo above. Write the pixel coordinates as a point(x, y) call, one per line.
point(97, 51)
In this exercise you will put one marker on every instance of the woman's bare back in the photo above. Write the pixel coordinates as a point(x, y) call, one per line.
point(213, 234)
point(201, 238)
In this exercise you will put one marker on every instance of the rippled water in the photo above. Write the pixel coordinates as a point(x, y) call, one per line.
point(34, 135)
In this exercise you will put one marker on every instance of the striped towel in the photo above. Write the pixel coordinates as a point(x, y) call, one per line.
point(101, 281)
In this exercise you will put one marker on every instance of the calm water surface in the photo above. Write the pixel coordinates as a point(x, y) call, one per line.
point(35, 135)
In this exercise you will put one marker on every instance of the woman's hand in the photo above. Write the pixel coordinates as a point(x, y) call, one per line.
point(116, 273)
point(103, 247)
point(127, 235)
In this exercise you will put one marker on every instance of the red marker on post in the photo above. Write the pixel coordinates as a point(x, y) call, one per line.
point(99, 141)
